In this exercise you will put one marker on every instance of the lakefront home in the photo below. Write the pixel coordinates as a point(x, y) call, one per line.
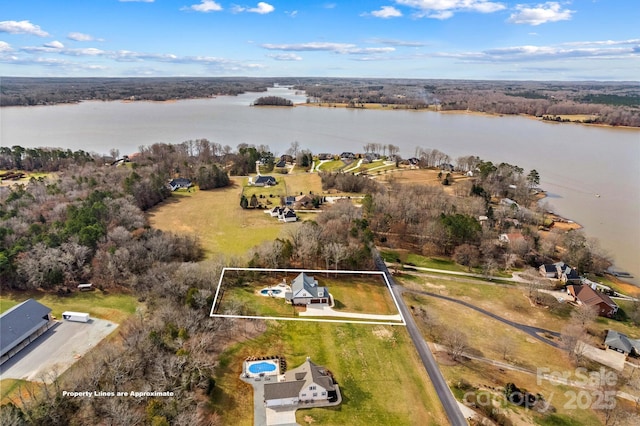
point(585, 295)
point(309, 383)
point(305, 291)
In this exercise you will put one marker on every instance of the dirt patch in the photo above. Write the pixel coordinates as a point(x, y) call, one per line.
point(382, 333)
point(444, 358)
point(439, 287)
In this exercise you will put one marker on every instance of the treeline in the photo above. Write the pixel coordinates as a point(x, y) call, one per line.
point(21, 91)
point(41, 159)
point(339, 239)
point(272, 101)
point(348, 182)
point(611, 103)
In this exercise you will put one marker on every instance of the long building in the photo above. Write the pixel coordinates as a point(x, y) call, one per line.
point(21, 325)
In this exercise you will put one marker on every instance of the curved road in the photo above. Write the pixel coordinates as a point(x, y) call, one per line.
point(447, 399)
point(534, 332)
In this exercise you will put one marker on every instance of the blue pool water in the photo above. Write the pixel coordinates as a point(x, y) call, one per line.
point(262, 367)
point(273, 291)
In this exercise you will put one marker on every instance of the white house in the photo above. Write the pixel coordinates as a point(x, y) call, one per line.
point(304, 384)
point(305, 291)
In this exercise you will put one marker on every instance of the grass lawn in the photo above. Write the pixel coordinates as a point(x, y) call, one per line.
point(216, 217)
point(380, 376)
point(352, 293)
point(114, 307)
point(9, 390)
point(269, 192)
point(485, 336)
point(303, 182)
point(431, 262)
point(332, 166)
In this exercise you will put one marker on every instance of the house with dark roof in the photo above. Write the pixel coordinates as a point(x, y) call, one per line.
point(308, 383)
point(561, 271)
point(585, 295)
point(180, 183)
point(305, 291)
point(569, 275)
point(287, 215)
point(621, 343)
point(21, 325)
point(264, 181)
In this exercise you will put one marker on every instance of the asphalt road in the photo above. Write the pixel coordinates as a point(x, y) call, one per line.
point(447, 399)
point(535, 332)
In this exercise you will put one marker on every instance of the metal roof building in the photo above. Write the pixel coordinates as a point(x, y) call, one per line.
point(20, 325)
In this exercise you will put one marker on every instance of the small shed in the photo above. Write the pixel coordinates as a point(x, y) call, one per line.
point(85, 287)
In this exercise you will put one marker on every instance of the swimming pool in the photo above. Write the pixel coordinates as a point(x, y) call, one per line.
point(262, 367)
point(273, 291)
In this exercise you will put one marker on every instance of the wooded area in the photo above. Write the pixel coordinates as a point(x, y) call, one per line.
point(613, 103)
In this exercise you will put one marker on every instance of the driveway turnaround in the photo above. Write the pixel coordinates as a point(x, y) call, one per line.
point(56, 350)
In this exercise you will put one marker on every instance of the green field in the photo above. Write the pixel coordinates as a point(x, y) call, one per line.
point(332, 166)
point(219, 222)
point(402, 256)
point(352, 293)
point(114, 307)
point(488, 338)
point(379, 373)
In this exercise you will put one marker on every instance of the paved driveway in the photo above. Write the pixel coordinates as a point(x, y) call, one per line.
point(56, 350)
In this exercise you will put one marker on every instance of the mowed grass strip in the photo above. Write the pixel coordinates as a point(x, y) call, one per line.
point(219, 222)
point(332, 166)
point(380, 376)
point(114, 307)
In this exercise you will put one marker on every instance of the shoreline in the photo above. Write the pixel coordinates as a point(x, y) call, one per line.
point(398, 107)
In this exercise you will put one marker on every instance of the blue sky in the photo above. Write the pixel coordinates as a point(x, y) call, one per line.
point(449, 39)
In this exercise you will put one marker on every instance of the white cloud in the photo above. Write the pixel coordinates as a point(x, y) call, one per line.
point(624, 49)
point(393, 42)
point(54, 45)
point(5, 47)
point(540, 14)
point(89, 51)
point(312, 46)
point(342, 48)
point(285, 57)
point(80, 37)
point(22, 27)
point(445, 9)
point(204, 6)
point(262, 8)
point(386, 12)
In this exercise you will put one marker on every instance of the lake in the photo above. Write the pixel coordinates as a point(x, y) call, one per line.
point(592, 174)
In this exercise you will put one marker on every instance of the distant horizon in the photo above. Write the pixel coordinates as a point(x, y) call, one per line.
point(485, 40)
point(71, 77)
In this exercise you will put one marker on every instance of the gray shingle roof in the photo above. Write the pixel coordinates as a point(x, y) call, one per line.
point(622, 342)
point(282, 390)
point(20, 322)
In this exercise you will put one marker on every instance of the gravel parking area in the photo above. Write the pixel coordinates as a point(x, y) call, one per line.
point(56, 350)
